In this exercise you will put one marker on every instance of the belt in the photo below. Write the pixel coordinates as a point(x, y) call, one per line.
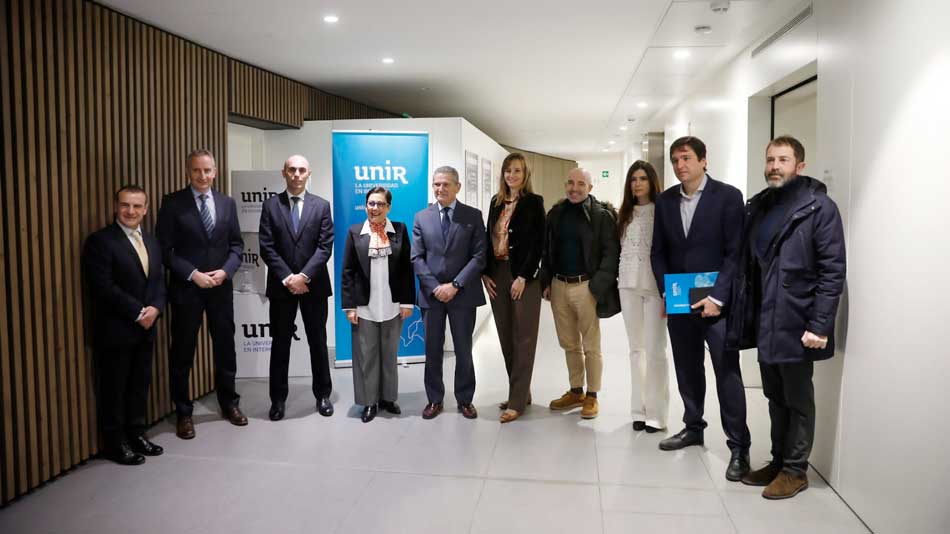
point(572, 279)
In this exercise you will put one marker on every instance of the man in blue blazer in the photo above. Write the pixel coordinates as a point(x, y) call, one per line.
point(201, 245)
point(123, 265)
point(448, 256)
point(296, 237)
point(697, 228)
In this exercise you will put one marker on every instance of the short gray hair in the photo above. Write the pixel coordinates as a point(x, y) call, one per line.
point(446, 169)
point(199, 153)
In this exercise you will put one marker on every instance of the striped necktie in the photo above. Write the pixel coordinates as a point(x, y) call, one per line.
point(206, 214)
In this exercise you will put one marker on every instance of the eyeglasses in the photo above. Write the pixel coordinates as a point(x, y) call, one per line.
point(374, 204)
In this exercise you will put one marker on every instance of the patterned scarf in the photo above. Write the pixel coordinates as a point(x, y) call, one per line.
point(378, 240)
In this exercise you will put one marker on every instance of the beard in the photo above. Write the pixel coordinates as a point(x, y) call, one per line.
point(777, 180)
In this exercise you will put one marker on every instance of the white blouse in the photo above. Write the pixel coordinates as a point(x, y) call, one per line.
point(381, 306)
point(635, 270)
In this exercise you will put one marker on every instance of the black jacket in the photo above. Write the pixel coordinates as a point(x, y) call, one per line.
point(118, 287)
point(354, 277)
point(601, 248)
point(525, 237)
point(798, 284)
point(714, 235)
point(306, 251)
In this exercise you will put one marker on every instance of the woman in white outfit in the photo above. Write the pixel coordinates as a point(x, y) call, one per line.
point(640, 301)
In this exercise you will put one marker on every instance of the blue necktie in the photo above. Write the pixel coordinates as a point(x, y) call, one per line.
point(206, 214)
point(295, 213)
point(445, 222)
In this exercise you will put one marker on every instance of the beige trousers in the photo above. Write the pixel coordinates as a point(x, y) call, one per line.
point(578, 332)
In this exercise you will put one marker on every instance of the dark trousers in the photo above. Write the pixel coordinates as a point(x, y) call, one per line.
point(462, 325)
point(283, 312)
point(517, 325)
point(187, 310)
point(791, 394)
point(125, 374)
point(687, 334)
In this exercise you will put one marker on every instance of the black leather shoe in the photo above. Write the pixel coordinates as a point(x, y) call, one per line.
point(276, 412)
point(324, 406)
point(432, 410)
point(369, 413)
point(651, 429)
point(142, 445)
point(684, 438)
point(738, 466)
point(123, 455)
point(639, 425)
point(185, 427)
point(390, 406)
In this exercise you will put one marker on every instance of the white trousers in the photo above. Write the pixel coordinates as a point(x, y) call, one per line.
point(649, 367)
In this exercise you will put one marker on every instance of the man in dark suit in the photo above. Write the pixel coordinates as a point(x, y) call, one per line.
point(697, 228)
point(296, 237)
point(448, 256)
point(123, 265)
point(201, 246)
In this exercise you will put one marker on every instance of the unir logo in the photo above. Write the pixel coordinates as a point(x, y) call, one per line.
point(380, 173)
point(257, 196)
point(255, 330)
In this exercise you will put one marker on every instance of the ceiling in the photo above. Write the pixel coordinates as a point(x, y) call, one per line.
point(543, 75)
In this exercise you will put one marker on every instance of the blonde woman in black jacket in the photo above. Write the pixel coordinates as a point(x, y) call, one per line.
point(515, 241)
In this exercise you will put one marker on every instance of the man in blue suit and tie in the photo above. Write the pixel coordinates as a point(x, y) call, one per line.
point(127, 289)
point(296, 236)
point(697, 228)
point(201, 246)
point(448, 256)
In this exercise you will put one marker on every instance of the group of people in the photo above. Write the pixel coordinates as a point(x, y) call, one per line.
point(780, 261)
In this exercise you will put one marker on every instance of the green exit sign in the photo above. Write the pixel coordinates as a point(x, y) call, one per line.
point(605, 174)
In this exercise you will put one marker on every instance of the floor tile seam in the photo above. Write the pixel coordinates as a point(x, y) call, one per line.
point(219, 459)
point(478, 500)
point(664, 514)
point(600, 493)
point(722, 501)
point(355, 505)
point(711, 489)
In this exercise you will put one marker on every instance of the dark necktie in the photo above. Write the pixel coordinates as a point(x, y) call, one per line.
point(295, 213)
point(445, 222)
point(206, 214)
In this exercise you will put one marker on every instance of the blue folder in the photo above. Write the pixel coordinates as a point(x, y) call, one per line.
point(677, 288)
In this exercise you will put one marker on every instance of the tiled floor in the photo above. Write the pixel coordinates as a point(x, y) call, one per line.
point(547, 472)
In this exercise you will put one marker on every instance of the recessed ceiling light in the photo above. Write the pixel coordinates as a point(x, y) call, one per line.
point(681, 54)
point(388, 60)
point(702, 29)
point(611, 142)
point(331, 19)
point(642, 105)
point(623, 128)
point(604, 150)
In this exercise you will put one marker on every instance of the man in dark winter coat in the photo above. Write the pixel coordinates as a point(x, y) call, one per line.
point(578, 275)
point(790, 276)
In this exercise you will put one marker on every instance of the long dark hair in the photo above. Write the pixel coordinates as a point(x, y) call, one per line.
point(629, 201)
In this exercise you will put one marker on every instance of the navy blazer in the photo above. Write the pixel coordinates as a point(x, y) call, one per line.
point(186, 245)
point(460, 257)
point(714, 236)
point(118, 287)
point(306, 251)
point(355, 278)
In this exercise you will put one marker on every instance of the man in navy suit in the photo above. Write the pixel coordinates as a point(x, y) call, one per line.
point(201, 245)
point(697, 228)
point(448, 256)
point(296, 237)
point(123, 265)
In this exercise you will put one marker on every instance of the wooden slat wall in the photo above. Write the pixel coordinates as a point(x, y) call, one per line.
point(91, 99)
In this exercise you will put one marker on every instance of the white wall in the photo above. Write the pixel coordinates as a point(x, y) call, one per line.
point(610, 188)
point(883, 68)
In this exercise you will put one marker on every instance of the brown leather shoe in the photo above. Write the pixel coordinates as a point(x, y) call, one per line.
point(591, 408)
point(431, 410)
point(185, 427)
point(568, 401)
point(785, 485)
point(468, 411)
point(763, 476)
point(235, 416)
